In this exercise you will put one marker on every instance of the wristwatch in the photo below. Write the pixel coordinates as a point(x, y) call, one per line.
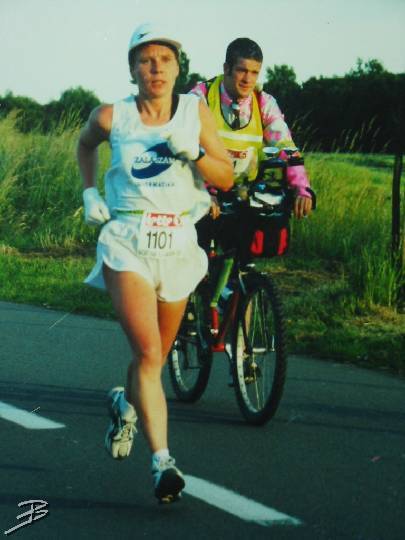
point(201, 154)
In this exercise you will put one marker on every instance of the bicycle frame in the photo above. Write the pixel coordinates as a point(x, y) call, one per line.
point(250, 326)
point(230, 263)
point(219, 328)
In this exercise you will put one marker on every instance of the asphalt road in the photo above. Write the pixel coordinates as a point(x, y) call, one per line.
point(333, 458)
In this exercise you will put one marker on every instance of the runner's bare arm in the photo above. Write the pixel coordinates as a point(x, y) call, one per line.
point(216, 166)
point(96, 130)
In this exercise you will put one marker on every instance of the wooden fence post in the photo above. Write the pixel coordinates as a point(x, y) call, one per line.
point(396, 211)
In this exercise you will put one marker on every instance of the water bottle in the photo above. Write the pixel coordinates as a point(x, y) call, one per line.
point(226, 294)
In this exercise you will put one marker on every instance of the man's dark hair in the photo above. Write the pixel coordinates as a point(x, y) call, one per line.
point(243, 48)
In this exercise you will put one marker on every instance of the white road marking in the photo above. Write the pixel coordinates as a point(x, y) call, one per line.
point(236, 504)
point(26, 419)
point(60, 320)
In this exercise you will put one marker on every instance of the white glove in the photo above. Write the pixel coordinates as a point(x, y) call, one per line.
point(95, 209)
point(181, 145)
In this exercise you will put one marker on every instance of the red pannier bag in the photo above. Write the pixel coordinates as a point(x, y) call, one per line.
point(271, 236)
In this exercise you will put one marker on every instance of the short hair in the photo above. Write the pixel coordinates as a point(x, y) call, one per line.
point(243, 48)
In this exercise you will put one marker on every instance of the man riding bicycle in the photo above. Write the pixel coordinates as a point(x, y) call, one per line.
point(248, 119)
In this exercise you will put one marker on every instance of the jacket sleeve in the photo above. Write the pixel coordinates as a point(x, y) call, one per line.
point(200, 90)
point(276, 133)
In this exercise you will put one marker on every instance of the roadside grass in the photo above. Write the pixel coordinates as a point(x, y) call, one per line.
point(40, 189)
point(342, 291)
point(51, 281)
point(324, 319)
point(352, 225)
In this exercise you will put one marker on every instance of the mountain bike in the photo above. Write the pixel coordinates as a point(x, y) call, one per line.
point(237, 309)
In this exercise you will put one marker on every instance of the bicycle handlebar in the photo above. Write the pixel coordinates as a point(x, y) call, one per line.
point(277, 158)
point(269, 194)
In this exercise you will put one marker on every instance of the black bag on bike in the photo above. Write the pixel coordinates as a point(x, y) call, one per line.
point(268, 217)
point(258, 228)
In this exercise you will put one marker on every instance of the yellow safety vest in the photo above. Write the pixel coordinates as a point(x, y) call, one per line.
point(242, 144)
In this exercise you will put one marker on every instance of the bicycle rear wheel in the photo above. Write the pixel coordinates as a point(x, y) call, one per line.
point(190, 358)
point(259, 356)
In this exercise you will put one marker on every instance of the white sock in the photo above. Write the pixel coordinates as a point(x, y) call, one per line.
point(163, 453)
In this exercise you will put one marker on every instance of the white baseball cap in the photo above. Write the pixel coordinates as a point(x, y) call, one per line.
point(145, 33)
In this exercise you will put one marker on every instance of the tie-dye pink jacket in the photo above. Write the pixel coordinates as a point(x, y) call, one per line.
point(275, 130)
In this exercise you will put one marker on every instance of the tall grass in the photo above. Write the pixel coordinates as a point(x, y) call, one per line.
point(352, 225)
point(40, 189)
point(41, 207)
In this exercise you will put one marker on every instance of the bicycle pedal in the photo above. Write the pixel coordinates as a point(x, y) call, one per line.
point(228, 350)
point(259, 350)
point(191, 333)
point(188, 330)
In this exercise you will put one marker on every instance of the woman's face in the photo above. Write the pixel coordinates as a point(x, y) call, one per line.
point(155, 69)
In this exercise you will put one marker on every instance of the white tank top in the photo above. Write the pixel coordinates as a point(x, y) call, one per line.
point(144, 174)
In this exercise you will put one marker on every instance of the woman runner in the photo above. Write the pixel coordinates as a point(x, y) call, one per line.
point(163, 147)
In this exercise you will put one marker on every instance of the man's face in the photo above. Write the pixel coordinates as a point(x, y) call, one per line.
point(241, 79)
point(155, 69)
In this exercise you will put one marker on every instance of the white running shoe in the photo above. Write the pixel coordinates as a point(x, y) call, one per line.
point(120, 433)
point(168, 481)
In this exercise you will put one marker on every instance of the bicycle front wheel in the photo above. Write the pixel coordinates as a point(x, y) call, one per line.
point(190, 358)
point(259, 351)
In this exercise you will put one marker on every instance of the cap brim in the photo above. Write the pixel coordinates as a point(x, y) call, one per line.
point(163, 40)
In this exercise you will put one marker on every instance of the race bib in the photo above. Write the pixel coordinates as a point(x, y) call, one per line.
point(162, 235)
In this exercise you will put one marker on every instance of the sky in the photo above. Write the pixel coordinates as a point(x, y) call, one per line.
point(48, 46)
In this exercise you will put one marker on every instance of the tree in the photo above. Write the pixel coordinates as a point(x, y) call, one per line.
point(73, 107)
point(77, 103)
point(29, 112)
point(80, 100)
point(281, 82)
point(183, 75)
point(186, 81)
point(360, 112)
point(372, 67)
point(192, 80)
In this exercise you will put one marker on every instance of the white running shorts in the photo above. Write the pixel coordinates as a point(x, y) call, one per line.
point(172, 277)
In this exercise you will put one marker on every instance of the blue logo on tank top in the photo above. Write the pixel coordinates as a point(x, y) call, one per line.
point(152, 162)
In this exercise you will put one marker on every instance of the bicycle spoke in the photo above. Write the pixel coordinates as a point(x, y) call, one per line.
point(259, 353)
point(190, 358)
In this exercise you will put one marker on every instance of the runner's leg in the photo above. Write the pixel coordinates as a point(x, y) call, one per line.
point(151, 327)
